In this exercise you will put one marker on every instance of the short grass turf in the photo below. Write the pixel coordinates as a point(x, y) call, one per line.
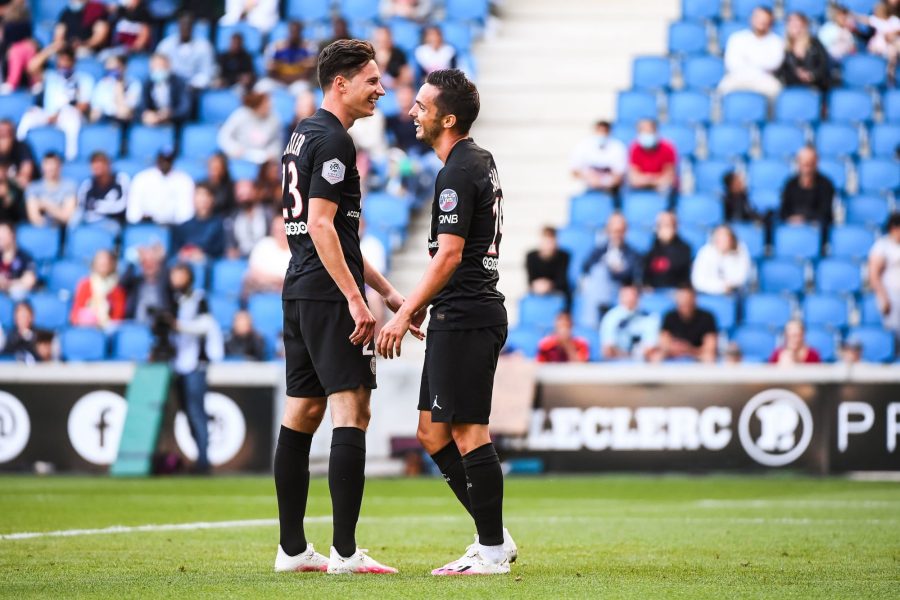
point(579, 537)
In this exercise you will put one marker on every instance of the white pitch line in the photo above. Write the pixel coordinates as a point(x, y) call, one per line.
point(27, 535)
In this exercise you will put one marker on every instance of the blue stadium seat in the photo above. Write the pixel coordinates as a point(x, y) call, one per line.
point(138, 67)
point(798, 106)
point(891, 106)
point(386, 211)
point(869, 313)
point(687, 37)
point(683, 137)
point(651, 73)
point(458, 35)
point(132, 342)
point(359, 10)
point(850, 106)
point(82, 344)
point(65, 275)
point(699, 210)
point(228, 277)
point(217, 105)
point(633, 106)
point(837, 140)
point(700, 9)
point(780, 275)
point(822, 341)
point(689, 108)
point(145, 142)
point(767, 174)
point(694, 236)
point(540, 311)
point(577, 241)
point(6, 312)
point(144, 234)
point(90, 66)
point(657, 302)
point(308, 10)
point(756, 343)
point(877, 343)
point(723, 308)
point(283, 104)
point(744, 108)
point(753, 236)
point(14, 105)
point(467, 10)
point(728, 141)
point(860, 7)
point(767, 310)
point(702, 72)
point(40, 243)
point(742, 9)
point(102, 137)
point(592, 336)
point(850, 241)
point(199, 31)
point(84, 242)
point(825, 310)
point(242, 169)
point(196, 169)
point(813, 9)
point(884, 140)
point(782, 141)
point(838, 276)
point(640, 208)
point(524, 339)
point(253, 38)
point(765, 200)
point(726, 30)
point(129, 166)
point(199, 141)
point(708, 175)
point(878, 175)
point(267, 315)
point(590, 209)
point(797, 241)
point(50, 312)
point(624, 132)
point(47, 10)
point(407, 34)
point(864, 70)
point(223, 309)
point(871, 211)
point(46, 139)
point(639, 238)
point(835, 171)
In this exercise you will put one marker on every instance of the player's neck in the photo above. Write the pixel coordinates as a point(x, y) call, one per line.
point(445, 145)
point(338, 110)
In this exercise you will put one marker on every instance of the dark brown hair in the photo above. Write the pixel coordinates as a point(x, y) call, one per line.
point(458, 97)
point(345, 58)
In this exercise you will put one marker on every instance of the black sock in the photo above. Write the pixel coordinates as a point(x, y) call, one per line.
point(346, 478)
point(485, 481)
point(292, 486)
point(449, 461)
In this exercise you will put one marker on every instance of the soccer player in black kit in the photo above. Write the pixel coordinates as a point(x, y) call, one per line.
point(468, 322)
point(328, 328)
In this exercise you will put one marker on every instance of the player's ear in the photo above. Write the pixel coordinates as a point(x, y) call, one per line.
point(340, 82)
point(449, 121)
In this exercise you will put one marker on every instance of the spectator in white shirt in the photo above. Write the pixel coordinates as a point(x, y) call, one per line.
point(268, 261)
point(262, 14)
point(600, 161)
point(722, 265)
point(752, 56)
point(161, 194)
point(115, 97)
point(837, 34)
point(434, 54)
point(886, 39)
point(52, 199)
point(192, 59)
point(884, 274)
point(249, 223)
point(253, 131)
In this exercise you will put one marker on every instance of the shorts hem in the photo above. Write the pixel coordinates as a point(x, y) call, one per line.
point(305, 394)
point(343, 387)
point(457, 420)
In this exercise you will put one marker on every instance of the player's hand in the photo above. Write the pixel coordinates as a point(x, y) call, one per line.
point(365, 322)
point(390, 338)
point(415, 326)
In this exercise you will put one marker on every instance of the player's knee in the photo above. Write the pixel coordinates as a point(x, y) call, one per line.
point(431, 439)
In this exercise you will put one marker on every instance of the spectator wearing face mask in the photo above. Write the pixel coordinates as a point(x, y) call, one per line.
point(668, 263)
point(166, 97)
point(652, 161)
point(600, 161)
point(116, 97)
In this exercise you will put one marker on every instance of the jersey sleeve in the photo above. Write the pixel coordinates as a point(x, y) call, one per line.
point(454, 202)
point(331, 161)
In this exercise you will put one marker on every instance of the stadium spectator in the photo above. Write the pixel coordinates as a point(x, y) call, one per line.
point(392, 62)
point(415, 10)
point(837, 35)
point(253, 131)
point(885, 40)
point(370, 140)
point(851, 351)
point(99, 299)
point(627, 331)
point(116, 97)
point(610, 265)
point(652, 161)
point(752, 57)
point(66, 97)
point(202, 237)
point(12, 200)
point(146, 283)
point(375, 253)
point(244, 342)
point(561, 346)
point(688, 332)
point(102, 198)
point(884, 274)
point(600, 161)
point(166, 98)
point(736, 202)
point(218, 179)
point(269, 185)
point(261, 14)
point(808, 196)
point(130, 25)
point(17, 44)
point(304, 107)
point(548, 267)
point(732, 354)
point(794, 350)
point(339, 30)
point(51, 200)
point(250, 222)
point(192, 57)
point(16, 155)
point(161, 194)
point(236, 65)
point(722, 265)
point(290, 63)
point(268, 261)
point(668, 263)
point(83, 25)
point(27, 343)
point(400, 126)
point(806, 62)
point(17, 269)
point(433, 54)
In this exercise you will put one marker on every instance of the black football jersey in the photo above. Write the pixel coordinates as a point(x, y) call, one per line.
point(320, 162)
point(468, 202)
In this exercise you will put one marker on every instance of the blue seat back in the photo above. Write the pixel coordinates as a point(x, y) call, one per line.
point(50, 311)
point(699, 210)
point(84, 242)
point(82, 344)
point(823, 341)
point(724, 308)
point(850, 106)
point(871, 211)
point(46, 139)
point(864, 71)
point(99, 137)
point(878, 175)
point(591, 209)
point(753, 237)
point(40, 243)
point(768, 174)
point(524, 339)
point(878, 345)
point(687, 37)
point(782, 141)
point(635, 105)
point(540, 311)
point(742, 9)
point(223, 309)
point(797, 241)
point(308, 10)
point(253, 37)
point(838, 276)
point(266, 312)
point(780, 276)
point(640, 208)
point(744, 108)
point(467, 10)
point(132, 342)
point(14, 105)
point(683, 137)
point(885, 140)
point(650, 73)
point(850, 241)
point(217, 105)
point(199, 141)
point(798, 106)
point(6, 312)
point(728, 141)
point(145, 142)
point(756, 343)
point(702, 72)
point(767, 310)
point(825, 310)
point(228, 277)
point(700, 9)
point(837, 140)
point(708, 175)
point(689, 107)
point(65, 275)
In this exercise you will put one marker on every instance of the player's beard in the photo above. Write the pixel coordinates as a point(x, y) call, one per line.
point(430, 132)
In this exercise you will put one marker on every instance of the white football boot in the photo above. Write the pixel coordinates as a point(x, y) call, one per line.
point(473, 562)
point(306, 561)
point(359, 563)
point(509, 546)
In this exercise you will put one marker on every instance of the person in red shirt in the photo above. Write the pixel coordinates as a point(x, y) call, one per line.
point(561, 345)
point(794, 351)
point(652, 161)
point(99, 299)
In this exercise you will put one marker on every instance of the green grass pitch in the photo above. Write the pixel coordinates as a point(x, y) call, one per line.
point(579, 537)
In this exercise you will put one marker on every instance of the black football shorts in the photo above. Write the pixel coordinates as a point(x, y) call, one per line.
point(319, 358)
point(458, 375)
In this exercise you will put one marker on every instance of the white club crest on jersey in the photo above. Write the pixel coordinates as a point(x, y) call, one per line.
point(333, 171)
